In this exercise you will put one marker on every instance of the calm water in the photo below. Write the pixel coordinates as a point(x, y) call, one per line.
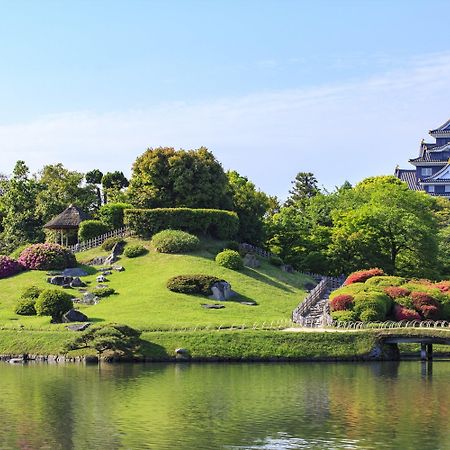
point(230, 406)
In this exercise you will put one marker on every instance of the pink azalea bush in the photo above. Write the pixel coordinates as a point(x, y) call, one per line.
point(362, 275)
point(47, 257)
point(402, 313)
point(8, 266)
point(341, 302)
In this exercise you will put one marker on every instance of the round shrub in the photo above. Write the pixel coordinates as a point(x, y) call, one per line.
point(104, 292)
point(405, 301)
point(109, 243)
point(47, 257)
point(363, 275)
point(377, 301)
point(384, 281)
point(351, 289)
point(341, 302)
point(276, 261)
point(423, 299)
point(402, 313)
point(230, 259)
point(397, 292)
point(192, 284)
point(344, 316)
point(25, 307)
point(90, 229)
point(31, 292)
point(175, 241)
point(54, 303)
point(133, 251)
point(371, 315)
point(9, 266)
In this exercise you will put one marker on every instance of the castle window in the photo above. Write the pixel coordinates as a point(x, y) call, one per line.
point(426, 171)
point(431, 188)
point(447, 188)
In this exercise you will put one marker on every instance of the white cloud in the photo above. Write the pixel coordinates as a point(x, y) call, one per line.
point(346, 131)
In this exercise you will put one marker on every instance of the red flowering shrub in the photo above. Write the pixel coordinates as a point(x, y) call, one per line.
point(341, 302)
point(397, 292)
point(402, 313)
point(8, 266)
point(430, 312)
point(47, 257)
point(423, 299)
point(362, 275)
point(443, 286)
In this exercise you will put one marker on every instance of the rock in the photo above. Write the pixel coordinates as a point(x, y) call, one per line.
point(182, 354)
point(212, 306)
point(89, 299)
point(78, 327)
point(221, 291)
point(101, 286)
point(76, 282)
point(106, 273)
point(74, 315)
point(287, 268)
point(101, 279)
point(60, 280)
point(97, 261)
point(118, 268)
point(16, 361)
point(74, 272)
point(251, 261)
point(248, 303)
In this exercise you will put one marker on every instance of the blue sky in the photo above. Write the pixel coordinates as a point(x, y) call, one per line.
point(345, 89)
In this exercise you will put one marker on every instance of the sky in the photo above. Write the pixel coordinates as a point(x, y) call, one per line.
point(345, 89)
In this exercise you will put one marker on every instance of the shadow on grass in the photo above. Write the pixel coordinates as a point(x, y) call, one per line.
point(151, 350)
point(88, 269)
point(252, 273)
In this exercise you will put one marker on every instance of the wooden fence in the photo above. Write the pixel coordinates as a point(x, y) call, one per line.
point(97, 241)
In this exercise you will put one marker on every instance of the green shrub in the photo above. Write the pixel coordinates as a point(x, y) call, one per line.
point(175, 241)
point(109, 243)
point(407, 302)
point(104, 292)
point(54, 303)
point(133, 251)
point(31, 292)
point(377, 301)
point(230, 259)
point(276, 261)
point(217, 223)
point(385, 281)
point(112, 214)
point(25, 307)
point(90, 229)
point(371, 315)
point(351, 289)
point(192, 284)
point(344, 316)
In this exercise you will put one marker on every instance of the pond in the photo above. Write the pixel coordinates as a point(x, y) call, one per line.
point(229, 406)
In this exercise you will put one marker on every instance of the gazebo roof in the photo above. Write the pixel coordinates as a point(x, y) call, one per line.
point(69, 219)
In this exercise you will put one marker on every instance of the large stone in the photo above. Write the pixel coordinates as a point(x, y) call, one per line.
point(89, 299)
point(251, 261)
point(115, 253)
point(97, 261)
point(60, 280)
point(118, 268)
point(74, 315)
point(221, 291)
point(101, 279)
point(212, 306)
point(74, 272)
point(76, 282)
point(78, 327)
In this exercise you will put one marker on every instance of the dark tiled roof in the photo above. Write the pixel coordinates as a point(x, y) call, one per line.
point(70, 218)
point(428, 158)
point(409, 177)
point(444, 128)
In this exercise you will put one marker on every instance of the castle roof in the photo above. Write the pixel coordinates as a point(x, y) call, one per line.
point(444, 129)
point(70, 218)
point(443, 176)
point(409, 177)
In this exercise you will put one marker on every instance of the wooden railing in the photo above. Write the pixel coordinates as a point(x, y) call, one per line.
point(97, 241)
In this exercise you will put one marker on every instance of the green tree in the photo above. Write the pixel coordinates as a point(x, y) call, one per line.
point(113, 184)
point(163, 177)
point(304, 187)
point(94, 178)
point(251, 205)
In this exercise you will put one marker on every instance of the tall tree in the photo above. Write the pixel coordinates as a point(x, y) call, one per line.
point(163, 177)
point(304, 187)
point(94, 178)
point(113, 184)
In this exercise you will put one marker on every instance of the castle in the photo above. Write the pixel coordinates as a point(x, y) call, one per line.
point(432, 167)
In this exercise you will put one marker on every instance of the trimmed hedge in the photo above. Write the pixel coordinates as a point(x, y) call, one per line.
point(133, 251)
point(90, 229)
point(175, 241)
point(54, 303)
point(112, 215)
point(192, 284)
point(32, 292)
point(47, 257)
point(104, 292)
point(230, 259)
point(215, 222)
point(25, 307)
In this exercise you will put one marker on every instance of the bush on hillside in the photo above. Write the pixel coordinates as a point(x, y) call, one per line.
point(363, 275)
point(112, 214)
point(25, 307)
point(109, 243)
point(90, 229)
point(32, 292)
point(341, 302)
point(344, 316)
point(192, 284)
point(371, 315)
point(104, 291)
point(175, 241)
point(133, 251)
point(385, 281)
point(47, 257)
point(54, 303)
point(217, 223)
point(374, 301)
point(276, 261)
point(443, 286)
point(230, 259)
point(9, 266)
point(402, 313)
point(396, 292)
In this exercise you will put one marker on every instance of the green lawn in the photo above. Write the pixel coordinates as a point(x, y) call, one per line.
point(144, 302)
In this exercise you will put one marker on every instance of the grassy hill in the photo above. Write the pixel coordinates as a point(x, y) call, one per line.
point(143, 301)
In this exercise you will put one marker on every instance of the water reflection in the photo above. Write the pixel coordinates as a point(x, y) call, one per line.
point(261, 406)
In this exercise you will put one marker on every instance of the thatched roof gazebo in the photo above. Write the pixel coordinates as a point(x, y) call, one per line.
point(67, 223)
